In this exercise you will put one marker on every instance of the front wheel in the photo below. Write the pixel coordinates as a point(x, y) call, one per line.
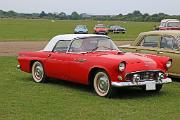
point(38, 73)
point(102, 84)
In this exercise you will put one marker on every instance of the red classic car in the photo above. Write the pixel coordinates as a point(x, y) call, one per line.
point(95, 60)
point(100, 29)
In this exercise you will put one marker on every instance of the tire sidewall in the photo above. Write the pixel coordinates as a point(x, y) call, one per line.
point(33, 75)
point(109, 93)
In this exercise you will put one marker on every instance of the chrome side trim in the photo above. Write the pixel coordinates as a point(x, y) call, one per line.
point(126, 84)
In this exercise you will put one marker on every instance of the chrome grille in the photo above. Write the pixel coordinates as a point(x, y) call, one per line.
point(143, 76)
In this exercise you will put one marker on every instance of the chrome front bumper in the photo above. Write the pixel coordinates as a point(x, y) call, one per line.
point(126, 84)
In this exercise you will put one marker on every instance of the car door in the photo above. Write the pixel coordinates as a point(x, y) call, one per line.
point(169, 47)
point(57, 63)
point(78, 66)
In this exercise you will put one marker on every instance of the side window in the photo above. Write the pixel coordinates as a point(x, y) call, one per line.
point(61, 46)
point(83, 45)
point(163, 24)
point(150, 41)
point(76, 46)
point(168, 42)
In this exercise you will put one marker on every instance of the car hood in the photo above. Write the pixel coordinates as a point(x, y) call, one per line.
point(101, 29)
point(134, 61)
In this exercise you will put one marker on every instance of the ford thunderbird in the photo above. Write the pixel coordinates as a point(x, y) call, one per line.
point(95, 60)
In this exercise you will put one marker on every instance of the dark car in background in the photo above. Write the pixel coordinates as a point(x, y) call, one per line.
point(117, 29)
point(100, 29)
point(81, 29)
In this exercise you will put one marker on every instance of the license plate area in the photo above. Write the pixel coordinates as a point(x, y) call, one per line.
point(150, 85)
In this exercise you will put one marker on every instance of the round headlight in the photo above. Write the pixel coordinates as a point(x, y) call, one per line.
point(122, 66)
point(168, 64)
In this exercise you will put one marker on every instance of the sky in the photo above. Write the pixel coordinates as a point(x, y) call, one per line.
point(95, 7)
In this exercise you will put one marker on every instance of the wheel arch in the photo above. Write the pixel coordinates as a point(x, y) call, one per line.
point(92, 74)
point(33, 61)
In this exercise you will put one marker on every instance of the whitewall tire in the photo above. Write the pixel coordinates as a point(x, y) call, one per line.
point(38, 73)
point(102, 84)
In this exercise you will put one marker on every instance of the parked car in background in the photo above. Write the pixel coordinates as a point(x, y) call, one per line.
point(100, 29)
point(169, 24)
point(81, 29)
point(117, 29)
point(95, 60)
point(162, 43)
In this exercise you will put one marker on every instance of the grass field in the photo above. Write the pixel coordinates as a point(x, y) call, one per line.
point(33, 30)
point(22, 99)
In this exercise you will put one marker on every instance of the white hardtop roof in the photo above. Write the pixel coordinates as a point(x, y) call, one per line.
point(54, 40)
point(171, 20)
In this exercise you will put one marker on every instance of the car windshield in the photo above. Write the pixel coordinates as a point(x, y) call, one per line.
point(173, 24)
point(113, 27)
point(100, 26)
point(92, 44)
point(80, 27)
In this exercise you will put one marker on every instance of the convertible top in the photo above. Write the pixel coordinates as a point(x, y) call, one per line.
point(54, 40)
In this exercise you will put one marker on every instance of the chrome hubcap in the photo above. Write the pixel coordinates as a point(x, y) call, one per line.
point(101, 84)
point(38, 72)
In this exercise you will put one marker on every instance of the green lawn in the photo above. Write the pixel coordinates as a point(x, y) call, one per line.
point(22, 99)
point(33, 30)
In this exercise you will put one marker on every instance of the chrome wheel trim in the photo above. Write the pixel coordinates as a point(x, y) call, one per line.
point(37, 72)
point(101, 83)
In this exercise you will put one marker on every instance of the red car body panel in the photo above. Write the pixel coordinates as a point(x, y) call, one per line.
point(76, 67)
point(169, 28)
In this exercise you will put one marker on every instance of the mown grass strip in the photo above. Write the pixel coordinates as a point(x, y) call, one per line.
point(38, 30)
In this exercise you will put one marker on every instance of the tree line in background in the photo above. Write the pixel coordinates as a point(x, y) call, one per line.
point(134, 16)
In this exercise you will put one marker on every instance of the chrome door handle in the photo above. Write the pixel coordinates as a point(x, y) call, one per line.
point(80, 60)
